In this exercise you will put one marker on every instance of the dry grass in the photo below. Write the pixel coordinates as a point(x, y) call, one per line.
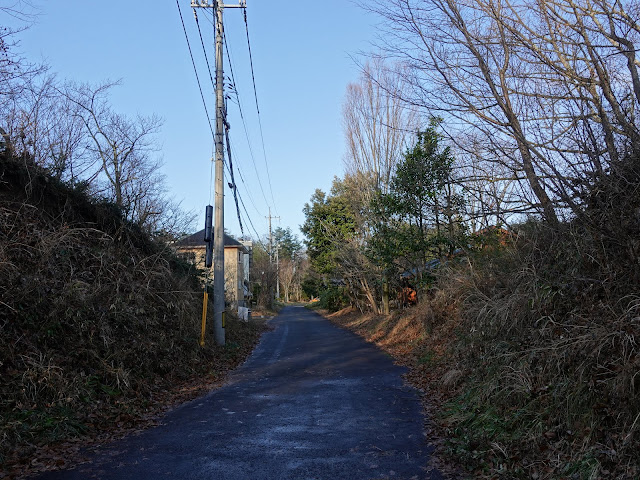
point(99, 325)
point(532, 356)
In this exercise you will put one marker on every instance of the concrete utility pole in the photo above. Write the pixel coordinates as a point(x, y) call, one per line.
point(271, 236)
point(271, 256)
point(218, 239)
point(278, 270)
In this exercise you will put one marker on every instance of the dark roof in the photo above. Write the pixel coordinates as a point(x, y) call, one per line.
point(197, 240)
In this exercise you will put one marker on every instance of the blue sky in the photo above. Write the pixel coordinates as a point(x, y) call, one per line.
point(302, 61)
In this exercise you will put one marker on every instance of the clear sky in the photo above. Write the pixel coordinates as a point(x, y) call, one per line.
point(302, 62)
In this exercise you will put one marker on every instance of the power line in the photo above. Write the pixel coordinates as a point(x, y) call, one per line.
point(204, 50)
point(230, 164)
point(247, 189)
point(255, 93)
point(248, 217)
point(233, 181)
point(252, 226)
point(195, 69)
point(234, 89)
point(236, 192)
point(253, 77)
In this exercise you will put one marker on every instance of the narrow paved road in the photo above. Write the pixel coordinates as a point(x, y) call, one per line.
point(312, 402)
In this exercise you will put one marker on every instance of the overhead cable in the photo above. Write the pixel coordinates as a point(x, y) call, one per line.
point(255, 93)
point(195, 69)
point(233, 181)
point(204, 50)
point(244, 123)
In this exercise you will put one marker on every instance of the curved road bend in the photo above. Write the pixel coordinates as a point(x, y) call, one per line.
point(313, 401)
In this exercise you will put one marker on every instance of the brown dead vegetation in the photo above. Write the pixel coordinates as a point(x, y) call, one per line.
point(530, 352)
point(99, 324)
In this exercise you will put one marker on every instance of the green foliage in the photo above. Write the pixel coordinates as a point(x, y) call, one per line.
point(333, 298)
point(289, 244)
point(312, 286)
point(419, 219)
point(260, 254)
point(420, 179)
point(329, 222)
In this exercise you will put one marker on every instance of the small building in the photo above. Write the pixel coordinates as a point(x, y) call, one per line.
point(237, 258)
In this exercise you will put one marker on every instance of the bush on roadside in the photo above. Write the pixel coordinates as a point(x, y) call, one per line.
point(532, 344)
point(333, 298)
point(546, 347)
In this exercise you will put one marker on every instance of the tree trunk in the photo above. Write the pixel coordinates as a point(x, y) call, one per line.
point(385, 295)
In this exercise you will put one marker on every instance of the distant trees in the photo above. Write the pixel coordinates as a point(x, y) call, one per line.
point(395, 207)
point(285, 269)
point(291, 263)
point(419, 218)
point(288, 244)
point(377, 126)
point(332, 236)
point(330, 222)
point(263, 276)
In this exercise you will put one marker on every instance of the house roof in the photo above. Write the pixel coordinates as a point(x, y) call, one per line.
point(197, 240)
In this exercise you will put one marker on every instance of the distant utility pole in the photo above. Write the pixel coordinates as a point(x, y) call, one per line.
point(271, 236)
point(218, 240)
point(278, 270)
point(271, 257)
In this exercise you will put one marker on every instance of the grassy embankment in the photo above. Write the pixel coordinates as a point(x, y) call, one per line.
point(529, 354)
point(99, 324)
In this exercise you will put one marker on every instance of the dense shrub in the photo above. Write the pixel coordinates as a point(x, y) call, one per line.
point(333, 298)
point(547, 343)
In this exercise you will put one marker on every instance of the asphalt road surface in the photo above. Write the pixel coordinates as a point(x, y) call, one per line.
point(312, 402)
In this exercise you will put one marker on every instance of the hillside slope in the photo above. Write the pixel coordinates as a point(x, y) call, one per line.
point(99, 324)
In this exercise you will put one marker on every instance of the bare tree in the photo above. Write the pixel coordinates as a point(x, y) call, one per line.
point(292, 271)
point(549, 86)
point(301, 272)
point(287, 273)
point(490, 188)
point(263, 275)
point(377, 125)
point(125, 149)
point(72, 131)
point(14, 70)
point(44, 126)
